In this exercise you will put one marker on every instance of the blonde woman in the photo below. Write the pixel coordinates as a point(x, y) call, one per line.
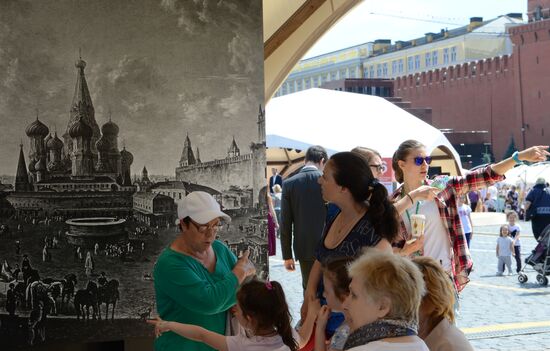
point(382, 306)
point(437, 316)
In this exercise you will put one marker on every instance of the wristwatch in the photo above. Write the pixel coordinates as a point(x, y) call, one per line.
point(515, 157)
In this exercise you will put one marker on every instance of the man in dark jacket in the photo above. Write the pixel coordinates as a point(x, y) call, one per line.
point(539, 199)
point(303, 213)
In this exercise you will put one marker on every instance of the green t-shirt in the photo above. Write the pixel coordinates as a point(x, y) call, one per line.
point(187, 292)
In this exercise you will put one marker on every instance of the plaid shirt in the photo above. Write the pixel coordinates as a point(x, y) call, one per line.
point(448, 211)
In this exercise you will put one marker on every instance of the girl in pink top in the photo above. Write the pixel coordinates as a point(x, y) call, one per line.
point(263, 314)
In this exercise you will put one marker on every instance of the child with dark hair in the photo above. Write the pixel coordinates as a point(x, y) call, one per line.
point(336, 282)
point(263, 313)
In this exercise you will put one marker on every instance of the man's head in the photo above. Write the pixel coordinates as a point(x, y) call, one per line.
point(316, 155)
point(274, 171)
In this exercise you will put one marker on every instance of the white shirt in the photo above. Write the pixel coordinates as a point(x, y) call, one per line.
point(493, 192)
point(437, 244)
point(464, 211)
point(241, 342)
point(380, 345)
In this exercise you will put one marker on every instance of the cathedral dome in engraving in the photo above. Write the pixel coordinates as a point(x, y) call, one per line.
point(54, 143)
point(109, 128)
point(102, 144)
point(80, 129)
point(126, 157)
point(37, 128)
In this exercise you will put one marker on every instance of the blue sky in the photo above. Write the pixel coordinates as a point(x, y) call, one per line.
point(372, 20)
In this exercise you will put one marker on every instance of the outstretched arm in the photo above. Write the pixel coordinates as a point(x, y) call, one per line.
point(191, 332)
point(532, 154)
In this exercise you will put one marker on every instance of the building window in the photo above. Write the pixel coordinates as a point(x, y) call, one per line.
point(332, 76)
point(417, 62)
point(323, 78)
point(394, 67)
point(434, 58)
point(352, 72)
point(378, 70)
point(445, 56)
point(427, 61)
point(453, 54)
point(308, 83)
point(366, 72)
point(299, 85)
point(410, 64)
point(385, 69)
point(371, 69)
point(290, 87)
point(400, 65)
point(315, 82)
point(343, 74)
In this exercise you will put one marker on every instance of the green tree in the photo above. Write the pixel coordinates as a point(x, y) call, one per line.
point(511, 148)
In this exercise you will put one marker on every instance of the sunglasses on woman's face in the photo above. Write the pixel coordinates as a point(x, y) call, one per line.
point(419, 160)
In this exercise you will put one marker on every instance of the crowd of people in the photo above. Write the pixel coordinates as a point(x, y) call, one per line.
point(370, 281)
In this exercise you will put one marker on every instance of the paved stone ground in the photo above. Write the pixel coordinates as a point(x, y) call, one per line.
point(496, 313)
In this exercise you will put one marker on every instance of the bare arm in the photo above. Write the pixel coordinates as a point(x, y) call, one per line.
point(322, 319)
point(424, 192)
point(497, 249)
point(384, 245)
point(410, 248)
point(307, 326)
point(532, 154)
point(512, 248)
point(311, 289)
point(191, 332)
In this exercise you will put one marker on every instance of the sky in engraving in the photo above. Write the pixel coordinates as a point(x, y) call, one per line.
point(161, 69)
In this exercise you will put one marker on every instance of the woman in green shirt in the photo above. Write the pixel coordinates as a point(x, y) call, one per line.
point(197, 277)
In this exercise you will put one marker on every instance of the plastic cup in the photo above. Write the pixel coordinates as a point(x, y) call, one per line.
point(418, 224)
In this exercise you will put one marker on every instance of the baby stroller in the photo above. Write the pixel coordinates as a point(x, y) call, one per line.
point(539, 259)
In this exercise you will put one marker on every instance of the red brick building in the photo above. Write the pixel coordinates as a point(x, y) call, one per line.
point(490, 100)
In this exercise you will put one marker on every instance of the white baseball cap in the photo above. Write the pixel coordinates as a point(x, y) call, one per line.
point(200, 207)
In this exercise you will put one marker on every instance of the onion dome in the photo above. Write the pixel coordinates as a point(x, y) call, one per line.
point(54, 143)
point(48, 138)
point(109, 129)
point(38, 129)
point(126, 156)
point(102, 144)
point(40, 165)
point(80, 129)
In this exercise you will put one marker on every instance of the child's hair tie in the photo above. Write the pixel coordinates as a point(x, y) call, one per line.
point(268, 285)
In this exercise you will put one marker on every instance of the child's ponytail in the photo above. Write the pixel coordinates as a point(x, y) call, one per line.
point(265, 302)
point(282, 319)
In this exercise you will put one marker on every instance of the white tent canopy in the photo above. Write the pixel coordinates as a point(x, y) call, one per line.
point(341, 121)
point(525, 175)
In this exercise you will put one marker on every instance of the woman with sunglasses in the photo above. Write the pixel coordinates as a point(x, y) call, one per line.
point(196, 277)
point(443, 238)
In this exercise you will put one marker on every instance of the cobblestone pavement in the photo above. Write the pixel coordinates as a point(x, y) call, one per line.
point(496, 313)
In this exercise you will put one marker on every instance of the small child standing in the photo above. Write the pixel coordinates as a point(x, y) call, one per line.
point(336, 282)
point(505, 250)
point(514, 230)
